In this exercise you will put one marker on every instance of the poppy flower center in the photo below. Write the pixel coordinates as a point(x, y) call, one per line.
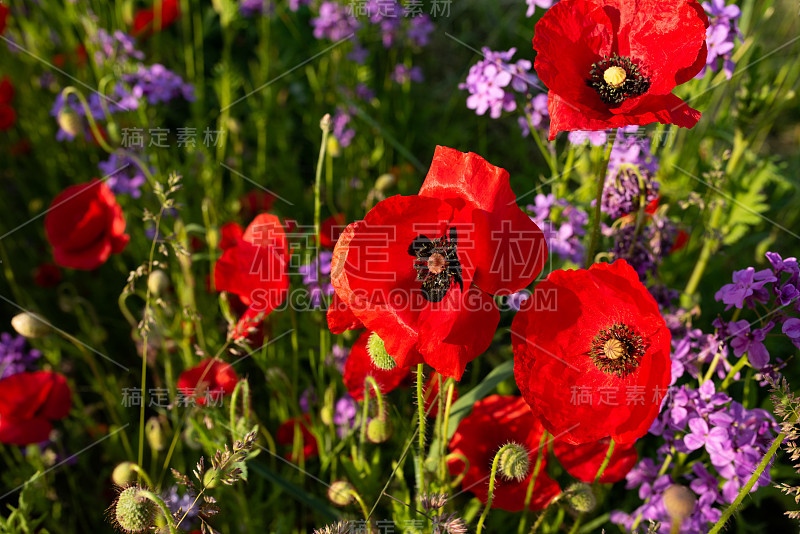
point(437, 265)
point(617, 350)
point(617, 78)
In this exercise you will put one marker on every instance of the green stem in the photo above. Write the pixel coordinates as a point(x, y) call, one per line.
point(606, 460)
point(173, 529)
point(709, 246)
point(601, 180)
point(490, 494)
point(421, 419)
point(325, 124)
point(750, 483)
point(735, 369)
point(88, 113)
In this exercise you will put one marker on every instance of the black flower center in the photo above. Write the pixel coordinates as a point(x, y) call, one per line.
point(436, 263)
point(616, 78)
point(617, 350)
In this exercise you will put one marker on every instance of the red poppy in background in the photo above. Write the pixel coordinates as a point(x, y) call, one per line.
point(419, 270)
point(254, 267)
point(3, 17)
point(7, 114)
point(430, 394)
point(494, 422)
point(330, 230)
point(254, 202)
point(594, 361)
point(47, 275)
point(340, 318)
point(584, 461)
point(84, 225)
point(145, 23)
point(209, 379)
point(29, 402)
point(611, 63)
point(359, 365)
point(285, 436)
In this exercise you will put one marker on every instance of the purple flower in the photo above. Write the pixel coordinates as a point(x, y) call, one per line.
point(124, 176)
point(307, 398)
point(536, 114)
point(344, 414)
point(595, 138)
point(533, 4)
point(720, 36)
point(158, 84)
point(15, 357)
point(117, 48)
point(488, 81)
point(341, 132)
point(644, 250)
point(515, 300)
point(745, 283)
point(251, 8)
point(419, 30)
point(334, 22)
point(750, 342)
point(563, 225)
point(318, 288)
point(294, 5)
point(631, 166)
point(338, 357)
point(403, 74)
point(792, 329)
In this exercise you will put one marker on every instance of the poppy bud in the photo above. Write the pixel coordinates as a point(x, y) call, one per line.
point(385, 181)
point(30, 326)
point(514, 462)
point(325, 122)
point(379, 429)
point(334, 148)
point(124, 473)
point(378, 354)
point(155, 434)
point(581, 497)
point(134, 511)
point(679, 502)
point(69, 121)
point(158, 282)
point(341, 492)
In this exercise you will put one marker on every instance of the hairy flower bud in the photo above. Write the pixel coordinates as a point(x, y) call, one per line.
point(679, 502)
point(134, 512)
point(379, 429)
point(340, 493)
point(30, 325)
point(377, 352)
point(581, 497)
point(514, 462)
point(155, 434)
point(69, 121)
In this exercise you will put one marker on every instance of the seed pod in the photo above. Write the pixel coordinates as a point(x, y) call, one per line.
point(679, 502)
point(341, 493)
point(158, 282)
point(155, 434)
point(581, 497)
point(124, 473)
point(69, 121)
point(134, 512)
point(379, 429)
point(377, 353)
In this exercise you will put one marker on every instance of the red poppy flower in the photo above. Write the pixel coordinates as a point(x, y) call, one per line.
point(255, 268)
point(209, 379)
point(6, 91)
point(330, 230)
point(47, 275)
point(593, 360)
point(359, 365)
point(285, 436)
point(84, 225)
point(231, 234)
point(611, 63)
point(494, 422)
point(3, 17)
point(340, 318)
point(430, 394)
point(145, 23)
point(254, 202)
point(29, 402)
point(584, 461)
point(418, 270)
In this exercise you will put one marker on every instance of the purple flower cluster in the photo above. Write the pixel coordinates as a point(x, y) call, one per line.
point(294, 5)
point(720, 36)
point(251, 8)
point(341, 132)
point(344, 415)
point(490, 82)
point(563, 225)
point(594, 138)
point(533, 4)
point(630, 166)
point(777, 289)
point(15, 357)
point(338, 357)
point(334, 22)
point(403, 74)
point(692, 348)
point(118, 47)
point(316, 287)
point(124, 176)
point(731, 440)
point(158, 84)
point(534, 114)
